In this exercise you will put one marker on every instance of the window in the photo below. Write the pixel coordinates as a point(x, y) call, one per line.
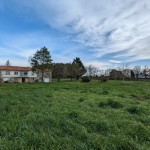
point(15, 73)
point(7, 72)
point(32, 73)
point(23, 73)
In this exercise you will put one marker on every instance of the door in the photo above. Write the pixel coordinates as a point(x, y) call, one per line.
point(23, 79)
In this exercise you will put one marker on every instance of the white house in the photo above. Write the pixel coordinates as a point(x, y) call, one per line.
point(22, 74)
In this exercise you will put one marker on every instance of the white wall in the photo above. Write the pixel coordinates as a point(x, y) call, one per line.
point(3, 74)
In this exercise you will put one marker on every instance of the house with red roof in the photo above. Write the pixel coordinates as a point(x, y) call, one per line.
point(23, 74)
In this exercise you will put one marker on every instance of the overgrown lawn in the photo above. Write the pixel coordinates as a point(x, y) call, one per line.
point(75, 115)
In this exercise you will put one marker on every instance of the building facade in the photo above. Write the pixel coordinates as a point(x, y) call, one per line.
point(22, 74)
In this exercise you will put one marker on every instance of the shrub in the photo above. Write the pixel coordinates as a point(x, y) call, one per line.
point(85, 79)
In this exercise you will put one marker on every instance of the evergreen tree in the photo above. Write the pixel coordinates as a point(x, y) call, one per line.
point(7, 63)
point(78, 67)
point(41, 60)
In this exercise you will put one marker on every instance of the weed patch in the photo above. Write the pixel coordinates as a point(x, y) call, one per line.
point(111, 103)
point(81, 99)
point(135, 110)
point(105, 92)
point(73, 115)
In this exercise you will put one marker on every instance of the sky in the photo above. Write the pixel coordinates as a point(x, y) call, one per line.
point(102, 33)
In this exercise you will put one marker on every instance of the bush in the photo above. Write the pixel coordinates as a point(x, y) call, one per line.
point(85, 79)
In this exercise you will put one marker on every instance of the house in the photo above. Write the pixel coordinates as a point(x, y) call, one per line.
point(23, 74)
point(47, 76)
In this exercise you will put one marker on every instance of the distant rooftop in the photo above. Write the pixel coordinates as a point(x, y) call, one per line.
point(15, 68)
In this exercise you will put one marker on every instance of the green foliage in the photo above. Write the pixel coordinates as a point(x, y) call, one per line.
point(58, 70)
point(78, 67)
point(111, 103)
point(135, 110)
point(7, 63)
point(85, 79)
point(73, 115)
point(41, 60)
point(81, 99)
point(105, 92)
point(72, 70)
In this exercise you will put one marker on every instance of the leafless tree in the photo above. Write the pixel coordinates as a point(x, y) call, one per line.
point(137, 71)
point(125, 70)
point(107, 72)
point(146, 71)
point(92, 71)
point(102, 72)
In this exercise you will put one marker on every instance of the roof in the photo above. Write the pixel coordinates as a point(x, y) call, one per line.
point(46, 70)
point(15, 68)
point(19, 68)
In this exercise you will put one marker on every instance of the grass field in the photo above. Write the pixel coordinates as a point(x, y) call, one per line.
point(75, 116)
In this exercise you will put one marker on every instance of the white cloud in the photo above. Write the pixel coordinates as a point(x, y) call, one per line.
point(99, 65)
point(104, 26)
point(125, 23)
point(115, 61)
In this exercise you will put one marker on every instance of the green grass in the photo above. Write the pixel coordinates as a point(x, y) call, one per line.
point(75, 116)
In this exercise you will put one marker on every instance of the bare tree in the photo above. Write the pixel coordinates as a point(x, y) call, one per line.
point(107, 72)
point(137, 71)
point(92, 71)
point(146, 71)
point(95, 71)
point(125, 70)
point(102, 72)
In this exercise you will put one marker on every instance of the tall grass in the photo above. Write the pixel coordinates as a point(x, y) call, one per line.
point(75, 115)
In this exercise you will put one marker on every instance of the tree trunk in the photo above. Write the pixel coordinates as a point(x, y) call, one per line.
point(42, 75)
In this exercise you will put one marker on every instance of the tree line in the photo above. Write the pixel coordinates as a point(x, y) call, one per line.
point(74, 69)
point(41, 60)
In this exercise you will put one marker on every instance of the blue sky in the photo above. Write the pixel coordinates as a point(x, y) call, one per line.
point(103, 33)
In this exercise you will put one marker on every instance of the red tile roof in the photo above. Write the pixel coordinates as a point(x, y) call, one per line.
point(18, 68)
point(15, 68)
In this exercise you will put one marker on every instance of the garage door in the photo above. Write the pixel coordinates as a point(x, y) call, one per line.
point(46, 79)
point(5, 79)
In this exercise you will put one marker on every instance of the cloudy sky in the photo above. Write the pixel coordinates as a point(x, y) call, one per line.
point(104, 33)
